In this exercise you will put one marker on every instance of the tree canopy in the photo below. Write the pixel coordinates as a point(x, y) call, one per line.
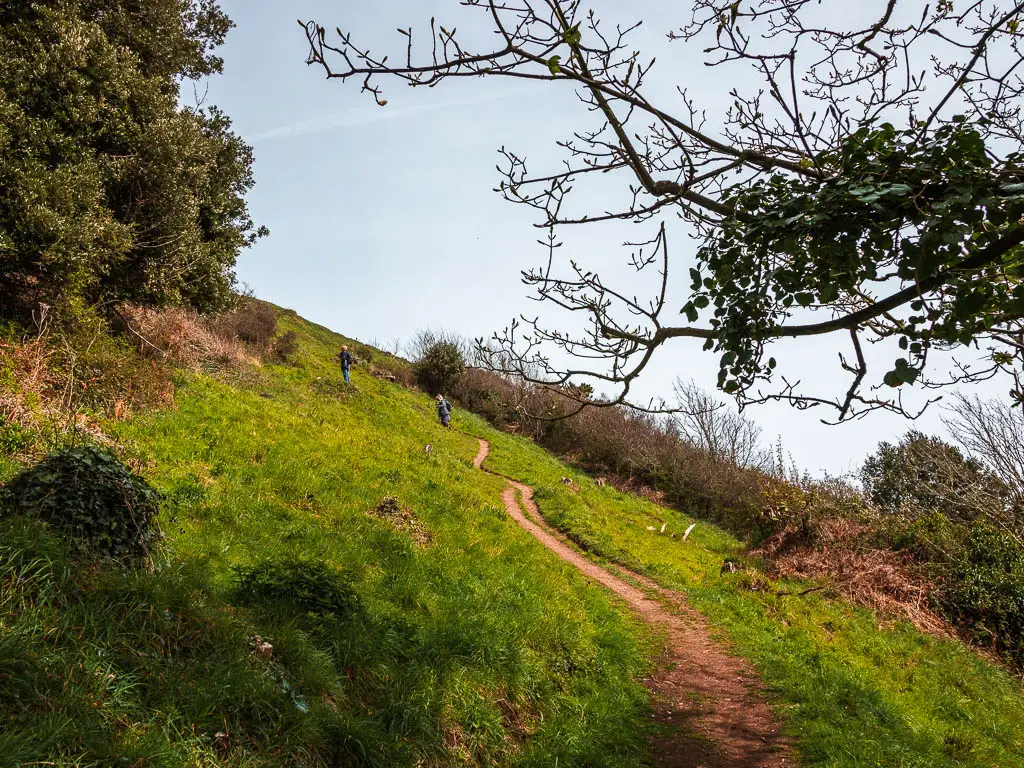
point(110, 189)
point(866, 180)
point(922, 475)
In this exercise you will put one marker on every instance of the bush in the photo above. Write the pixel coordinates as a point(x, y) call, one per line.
point(13, 438)
point(285, 347)
point(106, 372)
point(90, 497)
point(931, 538)
point(253, 322)
point(922, 475)
point(985, 591)
point(440, 367)
point(295, 585)
point(186, 339)
point(488, 394)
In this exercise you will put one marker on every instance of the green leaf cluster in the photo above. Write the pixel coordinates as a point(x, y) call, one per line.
point(887, 208)
point(985, 592)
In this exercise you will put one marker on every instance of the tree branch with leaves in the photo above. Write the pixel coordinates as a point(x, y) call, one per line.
point(865, 181)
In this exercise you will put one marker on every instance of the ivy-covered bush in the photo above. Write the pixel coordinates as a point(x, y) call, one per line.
point(88, 496)
point(984, 593)
point(296, 586)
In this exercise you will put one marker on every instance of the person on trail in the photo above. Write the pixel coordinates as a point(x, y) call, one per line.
point(346, 362)
point(444, 411)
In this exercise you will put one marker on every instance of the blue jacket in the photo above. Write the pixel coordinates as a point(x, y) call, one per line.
point(346, 359)
point(444, 408)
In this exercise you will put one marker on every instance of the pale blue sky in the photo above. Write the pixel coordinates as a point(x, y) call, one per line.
point(384, 221)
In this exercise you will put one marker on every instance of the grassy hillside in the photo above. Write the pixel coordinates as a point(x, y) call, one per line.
point(853, 689)
point(462, 641)
point(476, 648)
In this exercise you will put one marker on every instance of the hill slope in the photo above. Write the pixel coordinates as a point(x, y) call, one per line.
point(461, 642)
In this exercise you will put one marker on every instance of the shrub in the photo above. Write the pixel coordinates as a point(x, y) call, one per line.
point(931, 538)
point(985, 591)
point(440, 367)
point(90, 497)
point(186, 339)
point(100, 371)
point(254, 322)
point(295, 585)
point(13, 438)
point(922, 475)
point(489, 394)
point(784, 505)
point(285, 347)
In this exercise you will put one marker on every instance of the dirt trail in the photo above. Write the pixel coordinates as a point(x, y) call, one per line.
point(709, 703)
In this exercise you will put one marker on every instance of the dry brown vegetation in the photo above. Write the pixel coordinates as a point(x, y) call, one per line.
point(637, 450)
point(73, 369)
point(396, 374)
point(847, 557)
point(401, 518)
point(187, 339)
point(54, 388)
point(25, 366)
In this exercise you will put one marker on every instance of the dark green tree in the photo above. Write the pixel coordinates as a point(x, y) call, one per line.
point(440, 367)
point(110, 189)
point(864, 179)
point(922, 475)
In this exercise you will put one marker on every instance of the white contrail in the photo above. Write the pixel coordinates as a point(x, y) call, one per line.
point(364, 116)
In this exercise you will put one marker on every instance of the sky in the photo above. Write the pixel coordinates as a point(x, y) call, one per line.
point(384, 220)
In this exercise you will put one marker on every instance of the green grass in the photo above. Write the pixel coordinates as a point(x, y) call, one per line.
point(479, 649)
point(852, 689)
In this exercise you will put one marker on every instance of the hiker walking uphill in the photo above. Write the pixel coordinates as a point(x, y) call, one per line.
point(444, 411)
point(345, 357)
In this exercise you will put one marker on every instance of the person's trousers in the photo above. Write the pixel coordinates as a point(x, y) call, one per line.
point(344, 372)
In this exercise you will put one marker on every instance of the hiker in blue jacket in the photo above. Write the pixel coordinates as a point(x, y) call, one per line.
point(444, 411)
point(346, 363)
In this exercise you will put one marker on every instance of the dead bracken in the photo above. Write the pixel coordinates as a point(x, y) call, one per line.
point(876, 578)
point(402, 519)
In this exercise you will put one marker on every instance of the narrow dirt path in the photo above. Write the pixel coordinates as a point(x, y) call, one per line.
point(710, 704)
